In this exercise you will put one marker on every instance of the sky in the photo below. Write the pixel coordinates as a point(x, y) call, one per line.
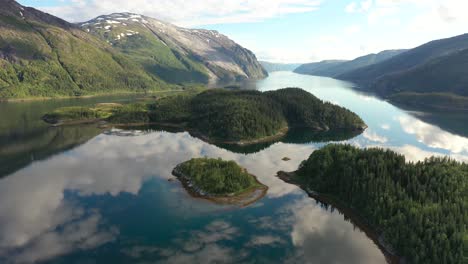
point(293, 31)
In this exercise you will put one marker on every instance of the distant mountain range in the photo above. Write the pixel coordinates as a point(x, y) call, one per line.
point(433, 75)
point(44, 56)
point(274, 67)
point(333, 68)
point(322, 68)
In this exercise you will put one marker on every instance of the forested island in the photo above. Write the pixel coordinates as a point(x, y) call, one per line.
point(220, 181)
point(420, 210)
point(218, 115)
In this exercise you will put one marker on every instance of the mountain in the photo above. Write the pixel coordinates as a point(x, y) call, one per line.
point(434, 76)
point(346, 66)
point(176, 54)
point(44, 56)
point(318, 68)
point(273, 67)
point(445, 74)
point(367, 76)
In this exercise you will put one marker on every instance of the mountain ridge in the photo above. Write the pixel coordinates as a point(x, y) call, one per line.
point(346, 66)
point(44, 56)
point(273, 67)
point(211, 53)
point(317, 68)
point(417, 56)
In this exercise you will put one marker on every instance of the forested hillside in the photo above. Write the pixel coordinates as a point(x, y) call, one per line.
point(274, 67)
point(407, 60)
point(225, 116)
point(44, 56)
point(446, 74)
point(421, 209)
point(337, 69)
point(303, 109)
point(318, 68)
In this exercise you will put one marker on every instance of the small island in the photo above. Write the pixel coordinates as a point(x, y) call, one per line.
point(223, 116)
point(220, 181)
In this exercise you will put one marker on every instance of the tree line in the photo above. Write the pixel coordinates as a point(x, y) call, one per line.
point(421, 209)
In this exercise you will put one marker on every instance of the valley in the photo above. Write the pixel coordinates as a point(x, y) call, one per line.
point(430, 76)
point(183, 132)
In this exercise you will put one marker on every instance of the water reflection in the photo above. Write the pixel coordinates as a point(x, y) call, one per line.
point(41, 143)
point(433, 136)
point(293, 136)
point(77, 202)
point(452, 121)
point(107, 198)
point(324, 233)
point(24, 137)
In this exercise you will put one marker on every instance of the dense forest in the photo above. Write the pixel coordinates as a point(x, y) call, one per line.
point(216, 176)
point(236, 115)
point(226, 116)
point(421, 209)
point(302, 109)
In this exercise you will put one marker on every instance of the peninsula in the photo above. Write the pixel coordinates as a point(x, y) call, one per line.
point(223, 116)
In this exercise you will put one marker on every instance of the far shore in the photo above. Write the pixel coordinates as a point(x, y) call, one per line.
point(29, 99)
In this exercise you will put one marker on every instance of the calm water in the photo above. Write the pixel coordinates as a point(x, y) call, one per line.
point(83, 195)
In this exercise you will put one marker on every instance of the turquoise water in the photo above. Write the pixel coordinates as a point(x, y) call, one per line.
point(84, 195)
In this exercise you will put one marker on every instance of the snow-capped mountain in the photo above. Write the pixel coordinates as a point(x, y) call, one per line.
point(206, 51)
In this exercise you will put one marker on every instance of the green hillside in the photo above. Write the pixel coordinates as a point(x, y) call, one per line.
point(157, 58)
point(420, 209)
point(274, 67)
point(336, 69)
point(366, 76)
point(318, 68)
point(446, 74)
point(224, 116)
point(176, 54)
point(43, 56)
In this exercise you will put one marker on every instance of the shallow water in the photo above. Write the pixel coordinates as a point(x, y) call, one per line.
point(81, 194)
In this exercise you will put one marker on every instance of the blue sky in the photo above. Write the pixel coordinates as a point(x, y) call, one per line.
point(293, 30)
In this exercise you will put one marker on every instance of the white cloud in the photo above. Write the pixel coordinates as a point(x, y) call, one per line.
point(188, 13)
point(372, 136)
point(385, 126)
point(352, 29)
point(262, 240)
point(433, 136)
point(325, 233)
point(360, 7)
point(416, 154)
point(351, 7)
point(33, 208)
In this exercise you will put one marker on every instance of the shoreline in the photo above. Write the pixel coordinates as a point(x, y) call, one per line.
point(281, 133)
point(354, 216)
point(104, 124)
point(243, 199)
point(32, 99)
point(193, 132)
